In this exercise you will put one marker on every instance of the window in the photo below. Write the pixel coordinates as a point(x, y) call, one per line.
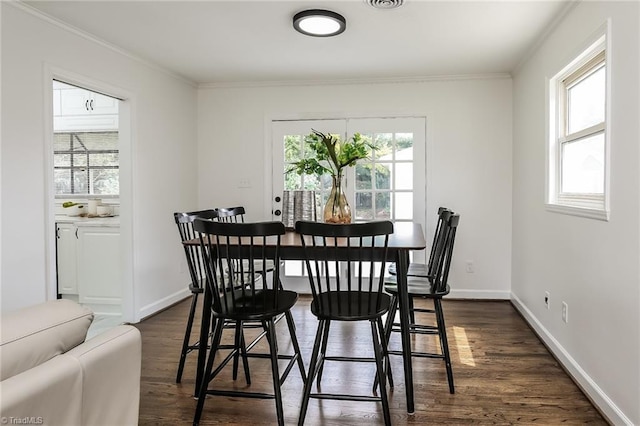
point(578, 145)
point(86, 163)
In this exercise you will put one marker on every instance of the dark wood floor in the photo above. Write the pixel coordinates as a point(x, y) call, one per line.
point(503, 375)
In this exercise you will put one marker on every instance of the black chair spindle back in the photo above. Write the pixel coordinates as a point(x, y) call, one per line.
point(239, 247)
point(361, 249)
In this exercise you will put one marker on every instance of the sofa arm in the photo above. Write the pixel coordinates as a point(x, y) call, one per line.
point(110, 365)
point(49, 394)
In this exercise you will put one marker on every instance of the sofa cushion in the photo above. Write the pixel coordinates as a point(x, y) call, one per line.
point(33, 335)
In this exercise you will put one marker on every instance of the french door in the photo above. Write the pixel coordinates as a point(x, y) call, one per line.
point(391, 185)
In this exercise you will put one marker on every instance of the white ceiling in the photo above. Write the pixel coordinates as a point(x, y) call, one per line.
point(253, 41)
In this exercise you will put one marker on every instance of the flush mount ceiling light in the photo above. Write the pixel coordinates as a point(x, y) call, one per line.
point(319, 23)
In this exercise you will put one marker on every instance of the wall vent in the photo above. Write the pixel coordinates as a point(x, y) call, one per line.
point(385, 4)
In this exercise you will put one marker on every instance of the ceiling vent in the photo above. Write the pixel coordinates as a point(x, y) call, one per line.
point(385, 4)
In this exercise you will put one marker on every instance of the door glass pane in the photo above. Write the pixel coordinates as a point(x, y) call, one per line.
point(404, 176)
point(383, 205)
point(383, 175)
point(586, 101)
point(363, 176)
point(384, 143)
point(404, 205)
point(364, 206)
point(583, 165)
point(404, 146)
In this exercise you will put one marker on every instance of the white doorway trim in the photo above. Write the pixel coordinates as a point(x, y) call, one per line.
point(126, 139)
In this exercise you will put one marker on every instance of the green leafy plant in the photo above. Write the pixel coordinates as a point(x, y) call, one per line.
point(332, 154)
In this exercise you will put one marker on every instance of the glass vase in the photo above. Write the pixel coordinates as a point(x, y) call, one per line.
point(337, 209)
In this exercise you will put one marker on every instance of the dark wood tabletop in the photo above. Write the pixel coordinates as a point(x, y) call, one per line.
point(406, 236)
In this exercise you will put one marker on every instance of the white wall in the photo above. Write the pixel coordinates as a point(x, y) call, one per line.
point(163, 158)
point(468, 146)
point(590, 264)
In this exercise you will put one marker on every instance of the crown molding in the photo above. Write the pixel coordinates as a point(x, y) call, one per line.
point(19, 4)
point(384, 80)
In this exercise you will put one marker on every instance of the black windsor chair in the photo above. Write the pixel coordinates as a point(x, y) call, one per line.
point(184, 221)
point(434, 285)
point(246, 296)
point(236, 215)
point(423, 269)
point(356, 254)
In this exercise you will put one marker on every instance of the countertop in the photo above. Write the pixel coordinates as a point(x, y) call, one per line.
point(113, 221)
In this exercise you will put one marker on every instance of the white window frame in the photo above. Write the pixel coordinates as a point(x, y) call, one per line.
point(594, 206)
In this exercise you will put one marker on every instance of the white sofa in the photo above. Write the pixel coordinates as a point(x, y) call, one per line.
point(50, 375)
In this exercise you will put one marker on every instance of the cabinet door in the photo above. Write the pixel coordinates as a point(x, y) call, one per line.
point(101, 104)
point(84, 110)
point(99, 277)
point(75, 102)
point(66, 258)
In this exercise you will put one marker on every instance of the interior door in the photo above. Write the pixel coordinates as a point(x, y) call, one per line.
point(389, 186)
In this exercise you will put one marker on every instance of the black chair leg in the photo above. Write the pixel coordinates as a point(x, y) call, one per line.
point(296, 346)
point(412, 313)
point(385, 353)
point(245, 358)
point(442, 331)
point(187, 337)
point(378, 350)
point(236, 357)
point(323, 351)
point(312, 370)
point(215, 342)
point(388, 327)
point(273, 350)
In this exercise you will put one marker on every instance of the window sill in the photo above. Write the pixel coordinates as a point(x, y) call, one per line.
point(591, 213)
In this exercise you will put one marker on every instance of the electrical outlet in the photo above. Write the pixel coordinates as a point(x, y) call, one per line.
point(547, 299)
point(565, 312)
point(469, 267)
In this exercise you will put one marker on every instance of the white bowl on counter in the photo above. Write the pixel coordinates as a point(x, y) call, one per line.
point(76, 210)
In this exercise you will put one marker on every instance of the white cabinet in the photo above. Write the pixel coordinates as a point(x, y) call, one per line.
point(66, 258)
point(85, 102)
point(88, 263)
point(76, 109)
point(99, 277)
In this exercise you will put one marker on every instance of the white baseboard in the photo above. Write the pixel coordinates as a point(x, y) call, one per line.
point(161, 304)
point(606, 406)
point(479, 294)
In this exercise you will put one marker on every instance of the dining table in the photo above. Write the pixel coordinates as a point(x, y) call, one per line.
point(406, 237)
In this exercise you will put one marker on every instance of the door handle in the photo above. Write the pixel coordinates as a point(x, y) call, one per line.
point(277, 212)
point(278, 199)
